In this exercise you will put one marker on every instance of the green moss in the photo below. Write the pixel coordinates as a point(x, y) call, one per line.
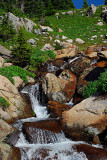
point(11, 71)
point(4, 102)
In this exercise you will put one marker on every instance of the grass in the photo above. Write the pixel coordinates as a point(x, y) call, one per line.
point(4, 102)
point(11, 71)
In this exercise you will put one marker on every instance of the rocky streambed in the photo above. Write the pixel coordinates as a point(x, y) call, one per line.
point(64, 125)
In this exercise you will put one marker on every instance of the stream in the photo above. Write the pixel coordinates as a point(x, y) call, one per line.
point(53, 145)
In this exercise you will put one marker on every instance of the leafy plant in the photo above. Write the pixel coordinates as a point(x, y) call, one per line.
point(39, 57)
point(94, 86)
point(11, 71)
point(4, 102)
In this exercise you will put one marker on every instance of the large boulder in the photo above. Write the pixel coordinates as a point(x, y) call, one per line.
point(18, 107)
point(86, 119)
point(69, 52)
point(60, 89)
point(4, 52)
point(91, 11)
point(79, 65)
point(104, 15)
point(21, 22)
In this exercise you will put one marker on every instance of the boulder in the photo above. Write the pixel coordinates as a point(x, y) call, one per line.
point(8, 152)
point(21, 22)
point(79, 65)
point(69, 41)
point(93, 49)
point(100, 24)
point(18, 107)
point(91, 11)
point(90, 74)
point(68, 52)
point(60, 30)
point(104, 15)
point(5, 129)
point(91, 152)
point(86, 119)
point(55, 109)
point(59, 89)
point(7, 64)
point(46, 129)
point(46, 28)
point(102, 54)
point(80, 41)
point(69, 13)
point(17, 81)
point(47, 47)
point(31, 41)
point(4, 52)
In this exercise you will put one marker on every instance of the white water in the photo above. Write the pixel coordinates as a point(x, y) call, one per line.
point(61, 147)
point(33, 91)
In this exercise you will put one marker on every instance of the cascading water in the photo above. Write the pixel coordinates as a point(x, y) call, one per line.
point(53, 145)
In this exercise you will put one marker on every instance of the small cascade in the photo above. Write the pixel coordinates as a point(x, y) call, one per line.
point(51, 67)
point(72, 60)
point(33, 92)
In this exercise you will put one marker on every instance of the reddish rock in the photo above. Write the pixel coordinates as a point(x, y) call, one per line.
point(101, 64)
point(58, 62)
point(42, 131)
point(93, 49)
point(91, 152)
point(79, 65)
point(60, 89)
point(56, 109)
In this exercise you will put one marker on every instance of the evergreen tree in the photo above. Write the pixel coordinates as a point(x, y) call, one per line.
point(105, 2)
point(85, 4)
point(21, 52)
point(6, 29)
point(50, 8)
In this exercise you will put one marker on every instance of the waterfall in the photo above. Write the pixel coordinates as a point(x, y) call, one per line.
point(33, 92)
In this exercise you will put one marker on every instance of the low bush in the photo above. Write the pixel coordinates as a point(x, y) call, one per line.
point(11, 71)
point(4, 103)
point(95, 86)
point(39, 57)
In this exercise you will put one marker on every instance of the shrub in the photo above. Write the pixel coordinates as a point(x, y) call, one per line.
point(4, 103)
point(39, 57)
point(11, 71)
point(95, 86)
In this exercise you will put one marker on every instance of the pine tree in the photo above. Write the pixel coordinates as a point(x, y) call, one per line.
point(21, 52)
point(85, 4)
point(105, 2)
point(50, 8)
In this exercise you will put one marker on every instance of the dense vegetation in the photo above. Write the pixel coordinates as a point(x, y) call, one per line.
point(95, 86)
point(11, 71)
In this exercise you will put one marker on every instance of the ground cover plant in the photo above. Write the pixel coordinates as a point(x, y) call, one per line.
point(11, 71)
point(95, 86)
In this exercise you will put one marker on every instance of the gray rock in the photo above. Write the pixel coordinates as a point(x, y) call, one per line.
point(80, 41)
point(4, 52)
point(47, 47)
point(100, 24)
point(31, 41)
point(91, 10)
point(69, 13)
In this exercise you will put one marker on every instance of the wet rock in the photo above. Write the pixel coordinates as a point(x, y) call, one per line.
point(42, 131)
point(92, 153)
point(60, 89)
point(79, 65)
point(86, 119)
point(101, 64)
point(55, 109)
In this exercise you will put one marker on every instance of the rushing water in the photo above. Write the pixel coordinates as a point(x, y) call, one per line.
point(58, 145)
